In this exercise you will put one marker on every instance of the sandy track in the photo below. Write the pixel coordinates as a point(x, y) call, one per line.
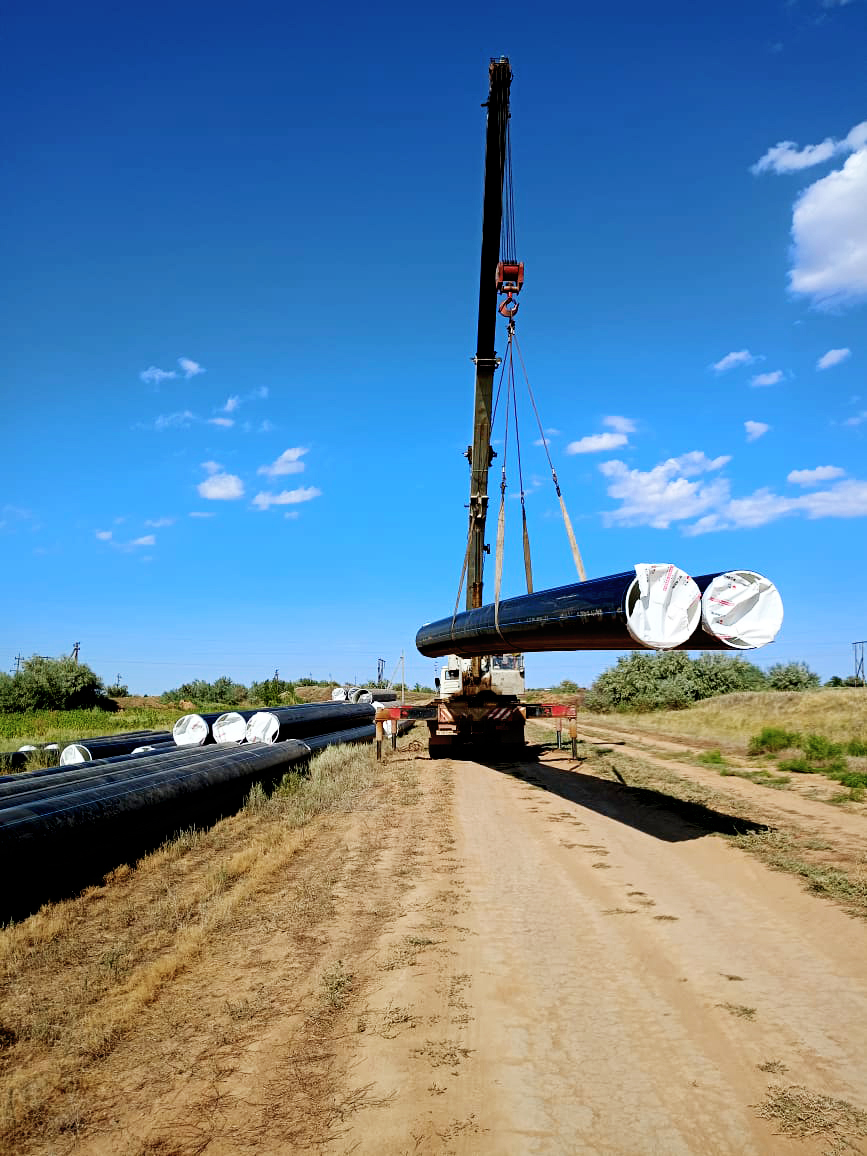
point(474, 960)
point(602, 983)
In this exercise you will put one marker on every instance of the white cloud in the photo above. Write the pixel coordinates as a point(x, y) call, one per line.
point(829, 231)
point(731, 360)
point(663, 495)
point(291, 514)
point(201, 514)
point(755, 429)
point(288, 463)
point(833, 357)
point(153, 375)
point(768, 378)
point(845, 500)
point(104, 535)
point(786, 157)
point(858, 419)
point(264, 500)
point(623, 425)
point(190, 368)
point(595, 443)
point(178, 420)
point(232, 404)
point(224, 422)
point(813, 477)
point(146, 540)
point(266, 427)
point(211, 467)
point(221, 488)
point(157, 523)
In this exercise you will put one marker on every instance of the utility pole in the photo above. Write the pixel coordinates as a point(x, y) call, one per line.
point(75, 651)
point(402, 677)
point(380, 670)
point(19, 658)
point(858, 647)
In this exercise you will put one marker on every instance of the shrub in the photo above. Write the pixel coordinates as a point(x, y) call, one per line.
point(856, 747)
point(792, 676)
point(818, 747)
point(567, 686)
point(273, 692)
point(671, 680)
point(773, 739)
point(224, 690)
point(117, 690)
point(52, 684)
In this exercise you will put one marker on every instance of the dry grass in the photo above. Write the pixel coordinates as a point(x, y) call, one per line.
point(800, 1114)
point(731, 719)
point(78, 976)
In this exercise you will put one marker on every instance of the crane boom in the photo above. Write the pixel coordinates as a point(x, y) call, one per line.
point(480, 454)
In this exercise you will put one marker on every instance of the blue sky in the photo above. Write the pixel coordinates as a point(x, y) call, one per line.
point(241, 246)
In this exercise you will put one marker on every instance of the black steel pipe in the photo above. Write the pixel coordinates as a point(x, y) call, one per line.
point(91, 828)
point(105, 747)
point(599, 614)
point(80, 775)
point(277, 724)
point(630, 611)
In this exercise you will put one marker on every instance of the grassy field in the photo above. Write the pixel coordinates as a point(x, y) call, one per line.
point(65, 726)
point(731, 720)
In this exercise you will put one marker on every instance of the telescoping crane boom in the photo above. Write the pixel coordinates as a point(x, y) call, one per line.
point(478, 704)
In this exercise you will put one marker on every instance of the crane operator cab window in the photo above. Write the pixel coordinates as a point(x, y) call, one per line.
point(508, 662)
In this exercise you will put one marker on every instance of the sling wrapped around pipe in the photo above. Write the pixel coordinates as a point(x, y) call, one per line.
point(280, 723)
point(654, 606)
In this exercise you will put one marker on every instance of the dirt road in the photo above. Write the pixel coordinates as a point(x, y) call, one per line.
point(460, 959)
point(612, 982)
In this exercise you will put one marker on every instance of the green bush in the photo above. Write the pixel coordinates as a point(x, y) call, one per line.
point(273, 692)
point(224, 690)
point(856, 747)
point(773, 739)
point(818, 747)
point(52, 684)
point(670, 680)
point(792, 676)
point(118, 690)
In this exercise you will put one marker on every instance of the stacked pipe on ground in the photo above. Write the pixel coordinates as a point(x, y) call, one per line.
point(90, 817)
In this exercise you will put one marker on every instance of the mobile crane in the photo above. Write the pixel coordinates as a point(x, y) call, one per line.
point(478, 702)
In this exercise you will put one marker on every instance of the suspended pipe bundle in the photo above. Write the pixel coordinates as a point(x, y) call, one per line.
point(655, 607)
point(281, 723)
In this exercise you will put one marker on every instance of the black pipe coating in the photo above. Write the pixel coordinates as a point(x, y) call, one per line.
point(587, 615)
point(54, 839)
point(317, 718)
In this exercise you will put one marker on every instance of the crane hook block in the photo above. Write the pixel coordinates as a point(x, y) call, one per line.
point(510, 277)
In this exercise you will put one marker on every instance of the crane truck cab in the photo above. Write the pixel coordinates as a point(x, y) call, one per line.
point(500, 674)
